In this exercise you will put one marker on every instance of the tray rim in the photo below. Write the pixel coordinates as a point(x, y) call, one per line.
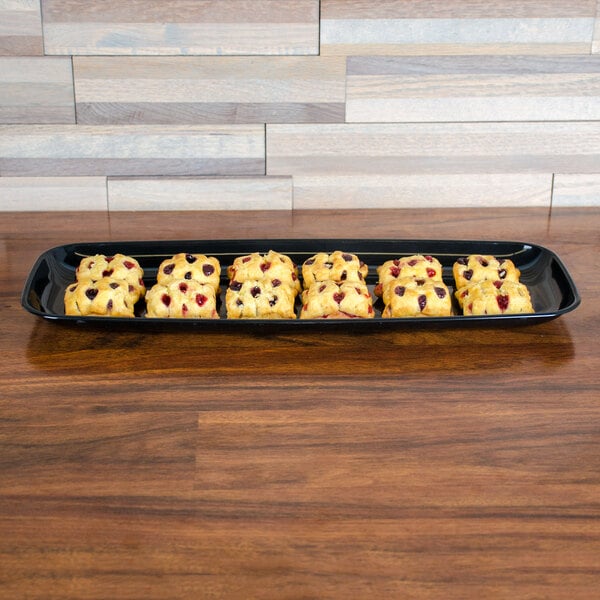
point(225, 324)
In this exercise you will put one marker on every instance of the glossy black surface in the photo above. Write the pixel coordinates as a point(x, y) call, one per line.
point(553, 292)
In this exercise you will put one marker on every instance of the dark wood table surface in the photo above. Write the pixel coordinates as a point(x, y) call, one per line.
point(432, 463)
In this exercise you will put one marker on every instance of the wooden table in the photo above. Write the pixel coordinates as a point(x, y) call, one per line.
point(435, 463)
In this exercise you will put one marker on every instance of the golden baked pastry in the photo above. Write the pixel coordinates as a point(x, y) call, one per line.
point(182, 299)
point(331, 300)
point(337, 266)
point(259, 299)
point(118, 266)
point(201, 268)
point(494, 298)
point(106, 297)
point(272, 267)
point(476, 267)
point(413, 297)
point(418, 266)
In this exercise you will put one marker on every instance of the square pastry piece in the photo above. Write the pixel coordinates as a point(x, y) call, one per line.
point(118, 266)
point(182, 299)
point(486, 285)
point(260, 299)
point(413, 297)
point(337, 266)
point(331, 300)
point(475, 268)
point(201, 268)
point(416, 266)
point(272, 267)
point(495, 298)
point(107, 286)
point(105, 297)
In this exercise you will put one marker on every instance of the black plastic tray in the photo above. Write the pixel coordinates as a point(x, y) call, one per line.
point(552, 290)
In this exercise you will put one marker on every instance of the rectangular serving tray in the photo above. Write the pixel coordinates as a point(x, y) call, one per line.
point(552, 289)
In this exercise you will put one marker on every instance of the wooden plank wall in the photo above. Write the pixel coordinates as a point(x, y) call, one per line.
point(251, 104)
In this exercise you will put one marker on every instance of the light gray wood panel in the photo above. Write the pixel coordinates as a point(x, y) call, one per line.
point(152, 27)
point(419, 148)
point(576, 190)
point(473, 88)
point(52, 150)
point(20, 28)
point(422, 190)
point(356, 27)
point(36, 90)
point(193, 193)
point(53, 193)
point(596, 41)
point(209, 89)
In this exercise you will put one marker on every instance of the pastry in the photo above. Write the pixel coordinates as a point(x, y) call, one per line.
point(331, 300)
point(476, 267)
point(337, 266)
point(182, 298)
point(204, 269)
point(117, 266)
point(272, 267)
point(419, 266)
point(413, 297)
point(106, 297)
point(494, 298)
point(259, 299)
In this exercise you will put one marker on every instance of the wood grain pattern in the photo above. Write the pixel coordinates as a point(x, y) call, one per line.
point(596, 40)
point(432, 148)
point(20, 28)
point(209, 89)
point(472, 88)
point(426, 464)
point(36, 90)
point(53, 193)
point(423, 190)
point(213, 27)
point(185, 193)
point(416, 27)
point(576, 190)
point(52, 150)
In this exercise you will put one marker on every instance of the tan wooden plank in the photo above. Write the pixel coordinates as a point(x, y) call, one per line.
point(154, 27)
point(466, 9)
point(36, 90)
point(473, 88)
point(576, 190)
point(423, 148)
point(410, 27)
point(52, 193)
point(53, 150)
point(423, 190)
point(209, 89)
point(186, 193)
point(20, 28)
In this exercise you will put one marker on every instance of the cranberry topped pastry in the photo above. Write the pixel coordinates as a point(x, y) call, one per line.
point(413, 297)
point(331, 300)
point(271, 267)
point(494, 298)
point(117, 266)
point(337, 266)
point(474, 268)
point(259, 299)
point(106, 297)
point(201, 268)
point(183, 299)
point(419, 266)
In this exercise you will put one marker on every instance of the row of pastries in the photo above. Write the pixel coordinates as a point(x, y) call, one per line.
point(267, 286)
